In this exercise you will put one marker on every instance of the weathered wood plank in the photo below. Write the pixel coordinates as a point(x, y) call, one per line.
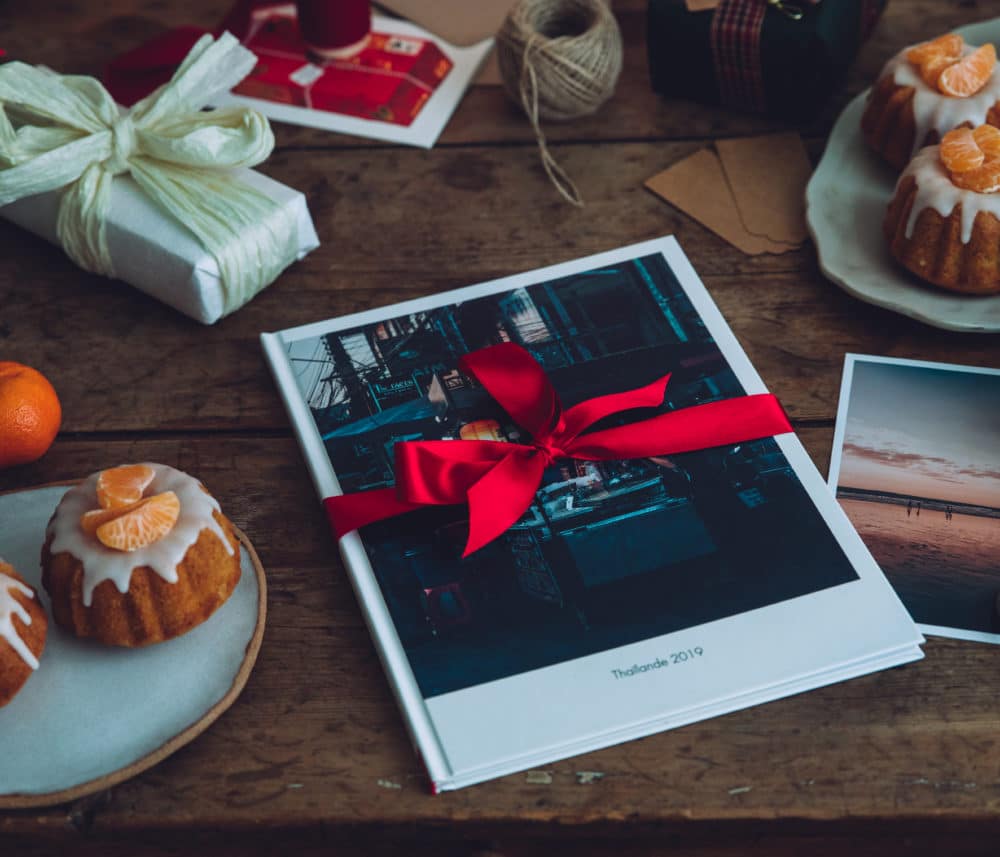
point(397, 224)
point(316, 738)
point(82, 38)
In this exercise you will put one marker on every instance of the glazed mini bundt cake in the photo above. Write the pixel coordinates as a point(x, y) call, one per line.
point(943, 222)
point(138, 554)
point(23, 626)
point(927, 90)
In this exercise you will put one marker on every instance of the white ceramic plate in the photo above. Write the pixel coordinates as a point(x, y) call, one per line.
point(94, 715)
point(846, 202)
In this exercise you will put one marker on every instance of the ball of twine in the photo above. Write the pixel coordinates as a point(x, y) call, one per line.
point(559, 59)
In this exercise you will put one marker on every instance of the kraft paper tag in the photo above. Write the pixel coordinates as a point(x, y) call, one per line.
point(768, 177)
point(697, 186)
point(458, 22)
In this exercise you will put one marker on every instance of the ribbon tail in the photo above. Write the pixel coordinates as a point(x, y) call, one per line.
point(348, 512)
point(250, 236)
point(581, 416)
point(502, 496)
point(82, 221)
point(721, 423)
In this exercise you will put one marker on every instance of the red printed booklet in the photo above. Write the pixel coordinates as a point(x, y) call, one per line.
point(577, 525)
point(402, 86)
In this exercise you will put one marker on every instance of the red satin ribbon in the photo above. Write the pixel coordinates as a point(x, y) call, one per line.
point(499, 480)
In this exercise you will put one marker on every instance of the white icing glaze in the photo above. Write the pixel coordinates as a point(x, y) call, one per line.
point(9, 608)
point(936, 190)
point(935, 111)
point(102, 563)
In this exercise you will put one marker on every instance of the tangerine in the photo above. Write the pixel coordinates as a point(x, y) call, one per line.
point(30, 414)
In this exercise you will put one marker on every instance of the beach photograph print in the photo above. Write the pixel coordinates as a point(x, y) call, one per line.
point(916, 467)
point(610, 552)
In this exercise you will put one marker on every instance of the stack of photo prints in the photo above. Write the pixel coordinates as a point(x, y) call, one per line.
point(633, 596)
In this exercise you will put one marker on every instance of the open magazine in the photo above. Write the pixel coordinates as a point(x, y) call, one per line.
point(633, 595)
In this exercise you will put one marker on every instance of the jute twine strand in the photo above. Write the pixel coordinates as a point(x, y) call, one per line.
point(559, 59)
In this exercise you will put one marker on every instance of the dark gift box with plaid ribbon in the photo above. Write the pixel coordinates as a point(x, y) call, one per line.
point(778, 57)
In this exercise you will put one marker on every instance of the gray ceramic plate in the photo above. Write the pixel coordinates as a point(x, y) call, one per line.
point(93, 716)
point(845, 203)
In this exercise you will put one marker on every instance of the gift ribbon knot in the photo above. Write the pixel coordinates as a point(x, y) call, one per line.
point(499, 480)
point(66, 132)
point(122, 145)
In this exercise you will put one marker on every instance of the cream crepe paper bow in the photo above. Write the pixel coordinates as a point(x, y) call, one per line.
point(70, 134)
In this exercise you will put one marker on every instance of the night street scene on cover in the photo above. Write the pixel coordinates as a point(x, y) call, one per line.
point(610, 553)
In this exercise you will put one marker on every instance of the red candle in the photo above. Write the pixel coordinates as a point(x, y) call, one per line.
point(334, 29)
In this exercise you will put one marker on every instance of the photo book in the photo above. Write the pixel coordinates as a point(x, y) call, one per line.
point(634, 594)
point(916, 466)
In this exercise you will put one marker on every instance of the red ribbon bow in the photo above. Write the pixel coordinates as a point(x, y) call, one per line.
point(499, 480)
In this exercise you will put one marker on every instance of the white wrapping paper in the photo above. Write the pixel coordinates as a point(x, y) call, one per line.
point(157, 254)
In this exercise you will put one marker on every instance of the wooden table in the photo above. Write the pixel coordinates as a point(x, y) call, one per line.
point(314, 754)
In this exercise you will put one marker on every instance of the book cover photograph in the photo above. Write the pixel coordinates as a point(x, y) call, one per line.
point(612, 558)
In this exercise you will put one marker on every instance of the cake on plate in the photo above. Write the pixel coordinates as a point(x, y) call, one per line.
point(943, 222)
point(927, 90)
point(138, 554)
point(23, 625)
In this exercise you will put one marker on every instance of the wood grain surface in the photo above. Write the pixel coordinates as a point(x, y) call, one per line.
point(313, 756)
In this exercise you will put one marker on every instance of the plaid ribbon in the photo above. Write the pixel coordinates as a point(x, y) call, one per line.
point(735, 39)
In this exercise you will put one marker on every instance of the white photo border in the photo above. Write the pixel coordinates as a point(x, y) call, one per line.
point(836, 456)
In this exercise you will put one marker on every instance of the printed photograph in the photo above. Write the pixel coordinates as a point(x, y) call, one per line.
point(918, 474)
point(610, 553)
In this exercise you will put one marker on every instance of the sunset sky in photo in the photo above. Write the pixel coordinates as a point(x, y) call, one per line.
point(923, 431)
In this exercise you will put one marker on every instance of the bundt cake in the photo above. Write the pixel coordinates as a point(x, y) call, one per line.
point(138, 554)
point(943, 222)
point(927, 90)
point(23, 625)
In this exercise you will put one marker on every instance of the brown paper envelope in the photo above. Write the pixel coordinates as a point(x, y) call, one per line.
point(698, 187)
point(701, 5)
point(768, 177)
point(461, 22)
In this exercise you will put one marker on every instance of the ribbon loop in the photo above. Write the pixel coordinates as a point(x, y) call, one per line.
point(513, 377)
point(499, 480)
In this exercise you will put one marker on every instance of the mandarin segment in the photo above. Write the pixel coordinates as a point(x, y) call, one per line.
point(122, 486)
point(931, 71)
point(90, 521)
point(984, 179)
point(987, 137)
point(932, 58)
point(969, 75)
point(960, 152)
point(148, 522)
point(948, 45)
